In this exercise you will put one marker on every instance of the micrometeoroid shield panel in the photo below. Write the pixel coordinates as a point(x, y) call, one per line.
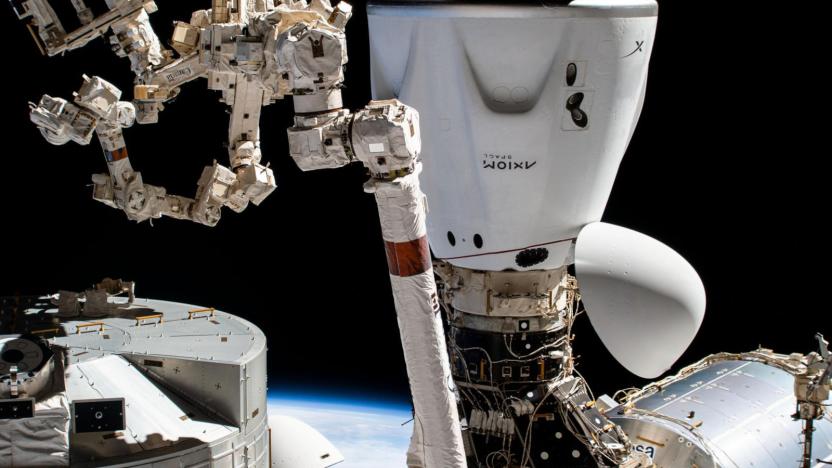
point(526, 113)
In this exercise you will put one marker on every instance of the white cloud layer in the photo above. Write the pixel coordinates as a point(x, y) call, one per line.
point(368, 437)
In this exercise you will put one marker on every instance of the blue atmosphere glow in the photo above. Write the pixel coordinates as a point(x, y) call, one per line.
point(371, 432)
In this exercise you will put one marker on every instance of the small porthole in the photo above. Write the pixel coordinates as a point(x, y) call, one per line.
point(451, 239)
point(478, 241)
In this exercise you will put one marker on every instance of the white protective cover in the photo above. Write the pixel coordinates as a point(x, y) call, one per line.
point(295, 444)
point(644, 300)
point(42, 440)
point(503, 158)
point(437, 440)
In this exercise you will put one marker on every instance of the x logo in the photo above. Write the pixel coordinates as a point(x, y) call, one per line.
point(639, 45)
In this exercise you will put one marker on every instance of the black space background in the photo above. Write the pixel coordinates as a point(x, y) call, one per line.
point(727, 166)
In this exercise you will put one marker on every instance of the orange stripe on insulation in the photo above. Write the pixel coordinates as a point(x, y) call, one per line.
point(408, 258)
point(118, 154)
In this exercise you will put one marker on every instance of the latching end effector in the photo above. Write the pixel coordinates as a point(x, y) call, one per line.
point(96, 103)
point(385, 137)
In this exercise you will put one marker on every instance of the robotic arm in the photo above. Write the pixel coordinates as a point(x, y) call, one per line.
point(383, 136)
point(213, 51)
point(310, 56)
point(128, 20)
point(97, 109)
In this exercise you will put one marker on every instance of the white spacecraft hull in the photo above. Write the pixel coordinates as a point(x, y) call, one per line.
point(506, 169)
point(175, 385)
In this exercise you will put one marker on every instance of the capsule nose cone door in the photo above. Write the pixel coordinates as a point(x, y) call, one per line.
point(643, 299)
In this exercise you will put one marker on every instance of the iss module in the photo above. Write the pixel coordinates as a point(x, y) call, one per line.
point(756, 409)
point(102, 378)
point(527, 109)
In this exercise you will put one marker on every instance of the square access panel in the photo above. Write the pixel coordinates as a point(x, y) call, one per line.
point(100, 415)
point(17, 408)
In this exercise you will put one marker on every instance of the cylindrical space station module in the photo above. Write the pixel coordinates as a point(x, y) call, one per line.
point(727, 414)
point(102, 379)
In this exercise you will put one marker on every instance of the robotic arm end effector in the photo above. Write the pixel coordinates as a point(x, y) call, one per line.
point(386, 138)
point(60, 121)
point(96, 104)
